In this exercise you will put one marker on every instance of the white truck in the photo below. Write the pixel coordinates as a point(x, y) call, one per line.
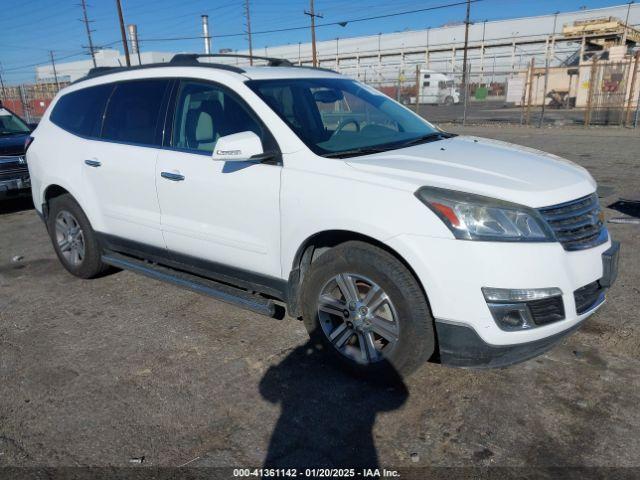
point(437, 88)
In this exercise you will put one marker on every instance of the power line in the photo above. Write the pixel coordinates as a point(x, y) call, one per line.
point(327, 24)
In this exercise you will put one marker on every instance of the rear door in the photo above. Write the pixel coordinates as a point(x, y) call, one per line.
point(227, 213)
point(121, 167)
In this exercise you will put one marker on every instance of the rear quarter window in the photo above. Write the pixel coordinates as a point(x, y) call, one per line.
point(80, 112)
point(134, 111)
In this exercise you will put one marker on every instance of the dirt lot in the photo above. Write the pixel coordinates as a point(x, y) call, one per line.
point(108, 371)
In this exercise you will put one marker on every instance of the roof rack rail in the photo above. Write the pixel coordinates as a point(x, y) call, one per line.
point(192, 58)
point(99, 71)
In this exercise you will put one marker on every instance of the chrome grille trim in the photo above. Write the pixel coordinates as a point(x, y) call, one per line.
point(577, 224)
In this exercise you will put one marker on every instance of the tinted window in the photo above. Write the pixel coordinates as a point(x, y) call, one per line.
point(80, 112)
point(133, 112)
point(206, 112)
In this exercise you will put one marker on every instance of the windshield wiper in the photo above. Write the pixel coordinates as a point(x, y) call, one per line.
point(431, 137)
point(355, 152)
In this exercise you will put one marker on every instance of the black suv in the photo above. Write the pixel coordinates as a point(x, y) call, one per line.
point(14, 137)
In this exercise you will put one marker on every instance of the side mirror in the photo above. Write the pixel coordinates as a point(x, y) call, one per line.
point(238, 147)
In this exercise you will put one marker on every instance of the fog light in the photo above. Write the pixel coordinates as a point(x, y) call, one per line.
point(510, 309)
point(511, 316)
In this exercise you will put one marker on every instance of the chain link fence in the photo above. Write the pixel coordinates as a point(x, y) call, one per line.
point(595, 92)
point(30, 100)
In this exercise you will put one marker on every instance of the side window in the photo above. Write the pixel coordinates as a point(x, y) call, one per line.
point(133, 112)
point(206, 112)
point(426, 84)
point(80, 112)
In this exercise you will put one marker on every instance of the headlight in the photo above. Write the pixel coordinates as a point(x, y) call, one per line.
point(474, 217)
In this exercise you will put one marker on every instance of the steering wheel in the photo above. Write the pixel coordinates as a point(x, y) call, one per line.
point(343, 123)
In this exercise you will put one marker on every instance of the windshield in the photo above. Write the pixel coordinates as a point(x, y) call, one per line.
point(342, 117)
point(10, 124)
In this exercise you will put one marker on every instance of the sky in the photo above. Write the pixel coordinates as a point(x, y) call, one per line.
point(29, 29)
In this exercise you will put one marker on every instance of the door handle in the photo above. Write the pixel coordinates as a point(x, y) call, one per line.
point(174, 177)
point(93, 163)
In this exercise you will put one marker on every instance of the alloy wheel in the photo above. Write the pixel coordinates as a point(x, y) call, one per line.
point(358, 318)
point(70, 238)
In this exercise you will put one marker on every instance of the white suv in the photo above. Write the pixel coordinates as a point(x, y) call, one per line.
point(275, 185)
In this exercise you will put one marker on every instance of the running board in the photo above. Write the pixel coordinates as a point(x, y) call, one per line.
point(211, 288)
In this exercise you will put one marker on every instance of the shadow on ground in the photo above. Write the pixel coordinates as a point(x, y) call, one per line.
point(13, 205)
point(327, 415)
point(627, 207)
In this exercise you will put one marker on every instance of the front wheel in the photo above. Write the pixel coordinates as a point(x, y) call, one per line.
point(367, 309)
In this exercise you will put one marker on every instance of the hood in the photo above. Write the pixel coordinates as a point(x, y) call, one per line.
point(11, 145)
point(484, 167)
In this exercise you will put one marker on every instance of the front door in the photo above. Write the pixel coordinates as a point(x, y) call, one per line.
point(223, 212)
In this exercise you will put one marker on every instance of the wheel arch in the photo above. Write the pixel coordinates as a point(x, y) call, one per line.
point(314, 245)
point(52, 191)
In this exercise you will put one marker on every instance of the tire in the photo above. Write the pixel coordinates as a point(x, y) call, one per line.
point(65, 213)
point(448, 101)
point(413, 328)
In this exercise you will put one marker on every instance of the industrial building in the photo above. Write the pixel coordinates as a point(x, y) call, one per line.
point(497, 49)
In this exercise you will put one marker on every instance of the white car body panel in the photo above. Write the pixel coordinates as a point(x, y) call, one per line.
point(124, 187)
point(225, 212)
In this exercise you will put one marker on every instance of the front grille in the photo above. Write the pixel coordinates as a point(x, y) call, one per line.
point(586, 297)
point(546, 310)
point(10, 172)
point(577, 224)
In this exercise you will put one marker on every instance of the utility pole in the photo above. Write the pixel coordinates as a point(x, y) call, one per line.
point(123, 34)
point(247, 14)
point(418, 88)
point(4, 92)
point(626, 23)
point(55, 73)
point(86, 24)
point(465, 89)
point(546, 70)
point(312, 14)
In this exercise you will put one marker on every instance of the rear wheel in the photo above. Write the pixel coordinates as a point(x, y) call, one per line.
point(448, 100)
point(367, 309)
point(73, 238)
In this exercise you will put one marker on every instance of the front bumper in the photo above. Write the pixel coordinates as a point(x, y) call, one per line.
point(15, 186)
point(460, 345)
point(453, 273)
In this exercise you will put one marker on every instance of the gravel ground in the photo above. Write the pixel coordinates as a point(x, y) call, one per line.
point(124, 371)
